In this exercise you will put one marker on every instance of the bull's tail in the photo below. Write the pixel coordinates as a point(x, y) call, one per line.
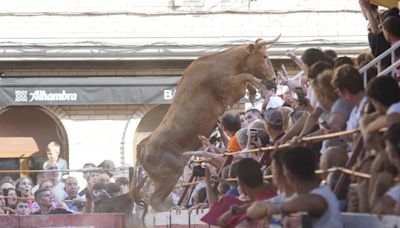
point(135, 187)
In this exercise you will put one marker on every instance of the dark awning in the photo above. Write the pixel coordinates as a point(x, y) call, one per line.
point(87, 90)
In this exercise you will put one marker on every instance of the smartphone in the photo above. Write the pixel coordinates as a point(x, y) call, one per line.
point(253, 134)
point(301, 96)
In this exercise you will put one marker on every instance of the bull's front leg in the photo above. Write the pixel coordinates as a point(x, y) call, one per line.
point(234, 88)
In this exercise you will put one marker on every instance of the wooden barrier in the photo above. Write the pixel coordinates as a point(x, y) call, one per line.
point(161, 219)
point(353, 220)
point(75, 220)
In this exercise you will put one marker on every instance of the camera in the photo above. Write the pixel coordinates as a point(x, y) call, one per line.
point(198, 170)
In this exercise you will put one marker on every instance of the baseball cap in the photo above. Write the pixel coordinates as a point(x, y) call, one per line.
point(274, 118)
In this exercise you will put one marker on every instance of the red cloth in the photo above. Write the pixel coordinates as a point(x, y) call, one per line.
point(219, 208)
point(224, 204)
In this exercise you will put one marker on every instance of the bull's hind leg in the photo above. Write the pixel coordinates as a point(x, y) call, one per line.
point(164, 168)
point(163, 187)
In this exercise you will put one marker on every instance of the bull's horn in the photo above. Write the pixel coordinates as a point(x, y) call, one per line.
point(261, 43)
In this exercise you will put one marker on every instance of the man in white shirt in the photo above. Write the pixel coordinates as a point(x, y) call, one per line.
point(318, 201)
point(52, 176)
point(349, 83)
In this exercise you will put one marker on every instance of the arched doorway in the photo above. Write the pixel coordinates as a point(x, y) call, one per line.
point(148, 124)
point(24, 134)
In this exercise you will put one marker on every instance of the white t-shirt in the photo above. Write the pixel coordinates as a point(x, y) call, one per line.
point(355, 115)
point(58, 191)
point(274, 102)
point(394, 193)
point(394, 108)
point(332, 217)
point(312, 97)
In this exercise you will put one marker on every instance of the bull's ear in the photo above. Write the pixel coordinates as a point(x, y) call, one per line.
point(251, 48)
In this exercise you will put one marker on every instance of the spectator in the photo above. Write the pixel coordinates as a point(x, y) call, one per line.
point(350, 86)
point(108, 167)
point(252, 115)
point(123, 184)
point(242, 138)
point(86, 176)
point(343, 60)
point(24, 187)
point(52, 176)
point(56, 201)
point(6, 182)
point(339, 110)
point(285, 190)
point(72, 199)
point(364, 57)
point(382, 100)
point(91, 180)
point(103, 177)
point(392, 148)
point(376, 39)
point(330, 54)
point(40, 177)
point(286, 115)
point(243, 122)
point(53, 155)
point(310, 57)
point(306, 122)
point(250, 181)
point(231, 124)
point(11, 199)
point(333, 157)
point(3, 208)
point(391, 31)
point(274, 125)
point(299, 167)
point(45, 198)
point(22, 207)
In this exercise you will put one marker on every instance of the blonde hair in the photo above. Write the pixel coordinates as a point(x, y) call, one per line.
point(323, 86)
point(52, 145)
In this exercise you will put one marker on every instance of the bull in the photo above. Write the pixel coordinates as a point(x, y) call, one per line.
point(209, 86)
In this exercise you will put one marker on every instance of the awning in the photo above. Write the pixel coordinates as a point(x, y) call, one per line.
point(87, 90)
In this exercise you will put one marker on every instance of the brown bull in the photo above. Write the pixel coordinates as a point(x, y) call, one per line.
point(209, 86)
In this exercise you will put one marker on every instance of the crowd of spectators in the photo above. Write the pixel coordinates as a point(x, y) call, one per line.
point(329, 98)
point(56, 192)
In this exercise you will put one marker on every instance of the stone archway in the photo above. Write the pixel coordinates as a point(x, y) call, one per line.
point(26, 130)
point(148, 124)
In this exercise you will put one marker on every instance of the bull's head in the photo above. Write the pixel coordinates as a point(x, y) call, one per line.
point(258, 62)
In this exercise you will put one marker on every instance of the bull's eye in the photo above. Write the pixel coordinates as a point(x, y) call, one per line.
point(265, 57)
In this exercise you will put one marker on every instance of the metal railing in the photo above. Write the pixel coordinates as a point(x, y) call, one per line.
point(391, 69)
point(377, 60)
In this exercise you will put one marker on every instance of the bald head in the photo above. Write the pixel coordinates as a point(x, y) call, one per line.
point(334, 156)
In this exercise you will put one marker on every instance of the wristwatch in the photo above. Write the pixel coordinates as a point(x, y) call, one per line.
point(234, 209)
